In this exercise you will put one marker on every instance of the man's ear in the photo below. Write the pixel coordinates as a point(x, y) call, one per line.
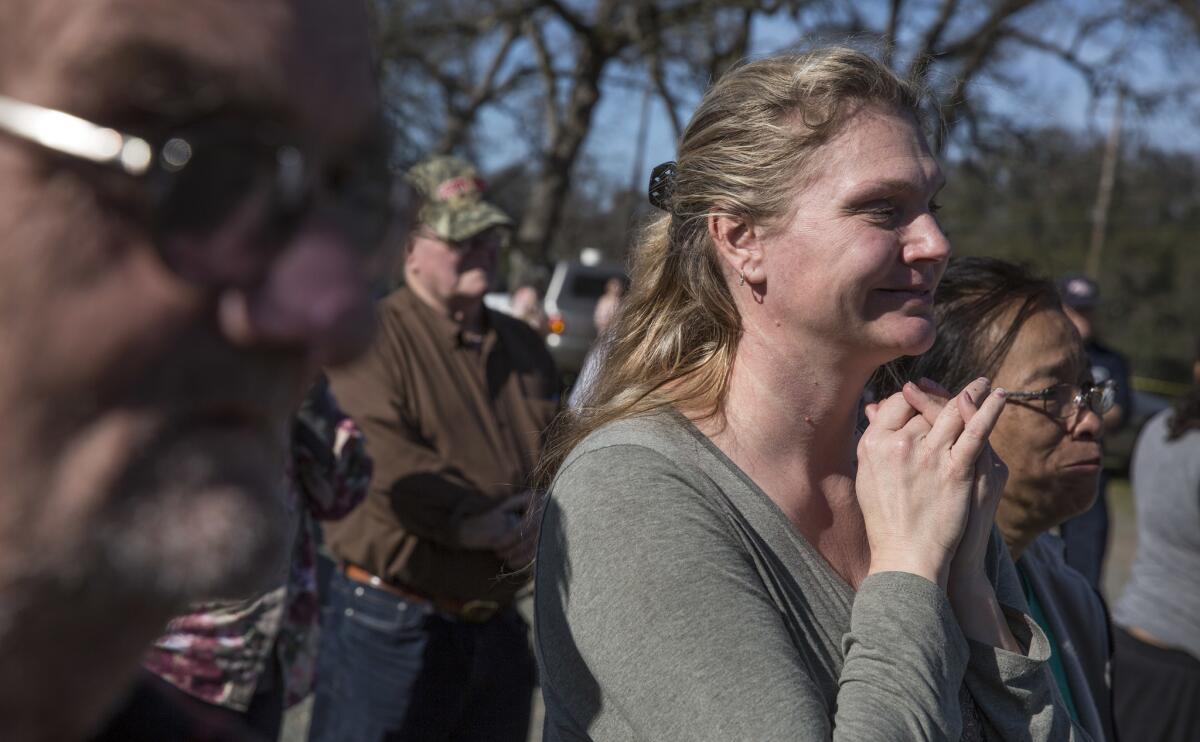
point(739, 244)
point(406, 250)
point(396, 259)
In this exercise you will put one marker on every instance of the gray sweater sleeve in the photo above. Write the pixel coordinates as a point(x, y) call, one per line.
point(654, 625)
point(1016, 693)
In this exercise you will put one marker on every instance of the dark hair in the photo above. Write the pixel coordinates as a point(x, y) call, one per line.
point(974, 294)
point(1187, 410)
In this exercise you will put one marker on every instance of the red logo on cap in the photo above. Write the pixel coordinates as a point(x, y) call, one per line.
point(461, 185)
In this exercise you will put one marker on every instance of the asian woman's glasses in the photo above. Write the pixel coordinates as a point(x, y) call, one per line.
point(1062, 401)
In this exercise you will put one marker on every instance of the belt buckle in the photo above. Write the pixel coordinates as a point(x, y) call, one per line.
point(478, 611)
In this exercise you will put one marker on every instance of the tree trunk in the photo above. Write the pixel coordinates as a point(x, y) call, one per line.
point(1104, 192)
point(458, 127)
point(543, 211)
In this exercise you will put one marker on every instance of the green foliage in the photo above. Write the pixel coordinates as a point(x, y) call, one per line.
point(1030, 200)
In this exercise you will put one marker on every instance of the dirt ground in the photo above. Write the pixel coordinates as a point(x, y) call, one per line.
point(1122, 541)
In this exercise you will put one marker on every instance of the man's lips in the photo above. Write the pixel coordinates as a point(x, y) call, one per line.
point(485, 265)
point(1090, 463)
point(231, 417)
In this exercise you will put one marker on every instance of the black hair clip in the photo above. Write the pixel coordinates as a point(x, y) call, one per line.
point(662, 185)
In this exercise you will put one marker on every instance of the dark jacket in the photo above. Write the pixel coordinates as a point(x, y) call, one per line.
point(1079, 621)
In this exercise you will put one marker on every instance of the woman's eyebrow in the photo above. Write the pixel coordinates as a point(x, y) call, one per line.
point(1053, 369)
point(893, 186)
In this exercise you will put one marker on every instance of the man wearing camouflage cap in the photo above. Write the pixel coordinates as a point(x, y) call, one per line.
point(422, 640)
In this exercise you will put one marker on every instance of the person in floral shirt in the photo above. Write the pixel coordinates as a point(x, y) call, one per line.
point(244, 662)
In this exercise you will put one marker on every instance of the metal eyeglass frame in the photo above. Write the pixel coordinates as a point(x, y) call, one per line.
point(1081, 398)
point(71, 135)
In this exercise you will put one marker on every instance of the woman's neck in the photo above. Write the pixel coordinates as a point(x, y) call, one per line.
point(789, 423)
point(795, 410)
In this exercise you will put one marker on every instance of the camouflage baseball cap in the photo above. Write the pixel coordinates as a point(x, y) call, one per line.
point(452, 199)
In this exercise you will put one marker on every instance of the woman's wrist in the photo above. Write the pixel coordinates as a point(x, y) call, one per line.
point(913, 561)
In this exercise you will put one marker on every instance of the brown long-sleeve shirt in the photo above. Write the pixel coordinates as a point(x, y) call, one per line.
point(454, 429)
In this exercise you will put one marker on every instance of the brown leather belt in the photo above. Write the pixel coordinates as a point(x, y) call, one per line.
point(471, 611)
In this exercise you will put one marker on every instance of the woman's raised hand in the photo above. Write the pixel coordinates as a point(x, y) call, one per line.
point(930, 399)
point(917, 476)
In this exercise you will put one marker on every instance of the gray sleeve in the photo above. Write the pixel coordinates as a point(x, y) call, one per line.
point(904, 662)
point(1016, 694)
point(653, 624)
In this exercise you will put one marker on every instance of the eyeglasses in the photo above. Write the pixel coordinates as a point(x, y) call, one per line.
point(489, 240)
point(1062, 401)
point(208, 186)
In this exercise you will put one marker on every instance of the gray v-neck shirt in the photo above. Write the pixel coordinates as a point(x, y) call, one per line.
point(674, 601)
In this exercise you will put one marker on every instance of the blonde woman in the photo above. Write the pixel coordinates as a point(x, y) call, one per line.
point(722, 556)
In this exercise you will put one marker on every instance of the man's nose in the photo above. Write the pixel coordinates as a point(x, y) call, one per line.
point(315, 297)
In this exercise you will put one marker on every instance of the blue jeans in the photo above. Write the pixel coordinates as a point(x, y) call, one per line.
point(397, 670)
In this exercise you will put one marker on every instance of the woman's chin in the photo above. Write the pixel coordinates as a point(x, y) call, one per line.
point(914, 337)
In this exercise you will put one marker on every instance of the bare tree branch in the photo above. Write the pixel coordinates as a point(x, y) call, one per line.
point(549, 79)
point(990, 27)
point(918, 69)
point(956, 99)
point(739, 47)
point(569, 17)
point(1065, 55)
point(658, 79)
point(439, 23)
point(1190, 9)
point(889, 33)
point(488, 80)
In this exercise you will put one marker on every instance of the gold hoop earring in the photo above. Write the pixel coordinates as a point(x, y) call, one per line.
point(742, 278)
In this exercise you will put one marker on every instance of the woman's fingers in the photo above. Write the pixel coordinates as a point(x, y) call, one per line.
point(954, 416)
point(913, 520)
point(976, 431)
point(938, 410)
point(966, 406)
point(972, 394)
point(926, 401)
point(869, 410)
point(892, 413)
point(916, 427)
point(929, 385)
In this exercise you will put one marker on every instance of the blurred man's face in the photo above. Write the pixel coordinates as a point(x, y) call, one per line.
point(146, 414)
point(450, 275)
